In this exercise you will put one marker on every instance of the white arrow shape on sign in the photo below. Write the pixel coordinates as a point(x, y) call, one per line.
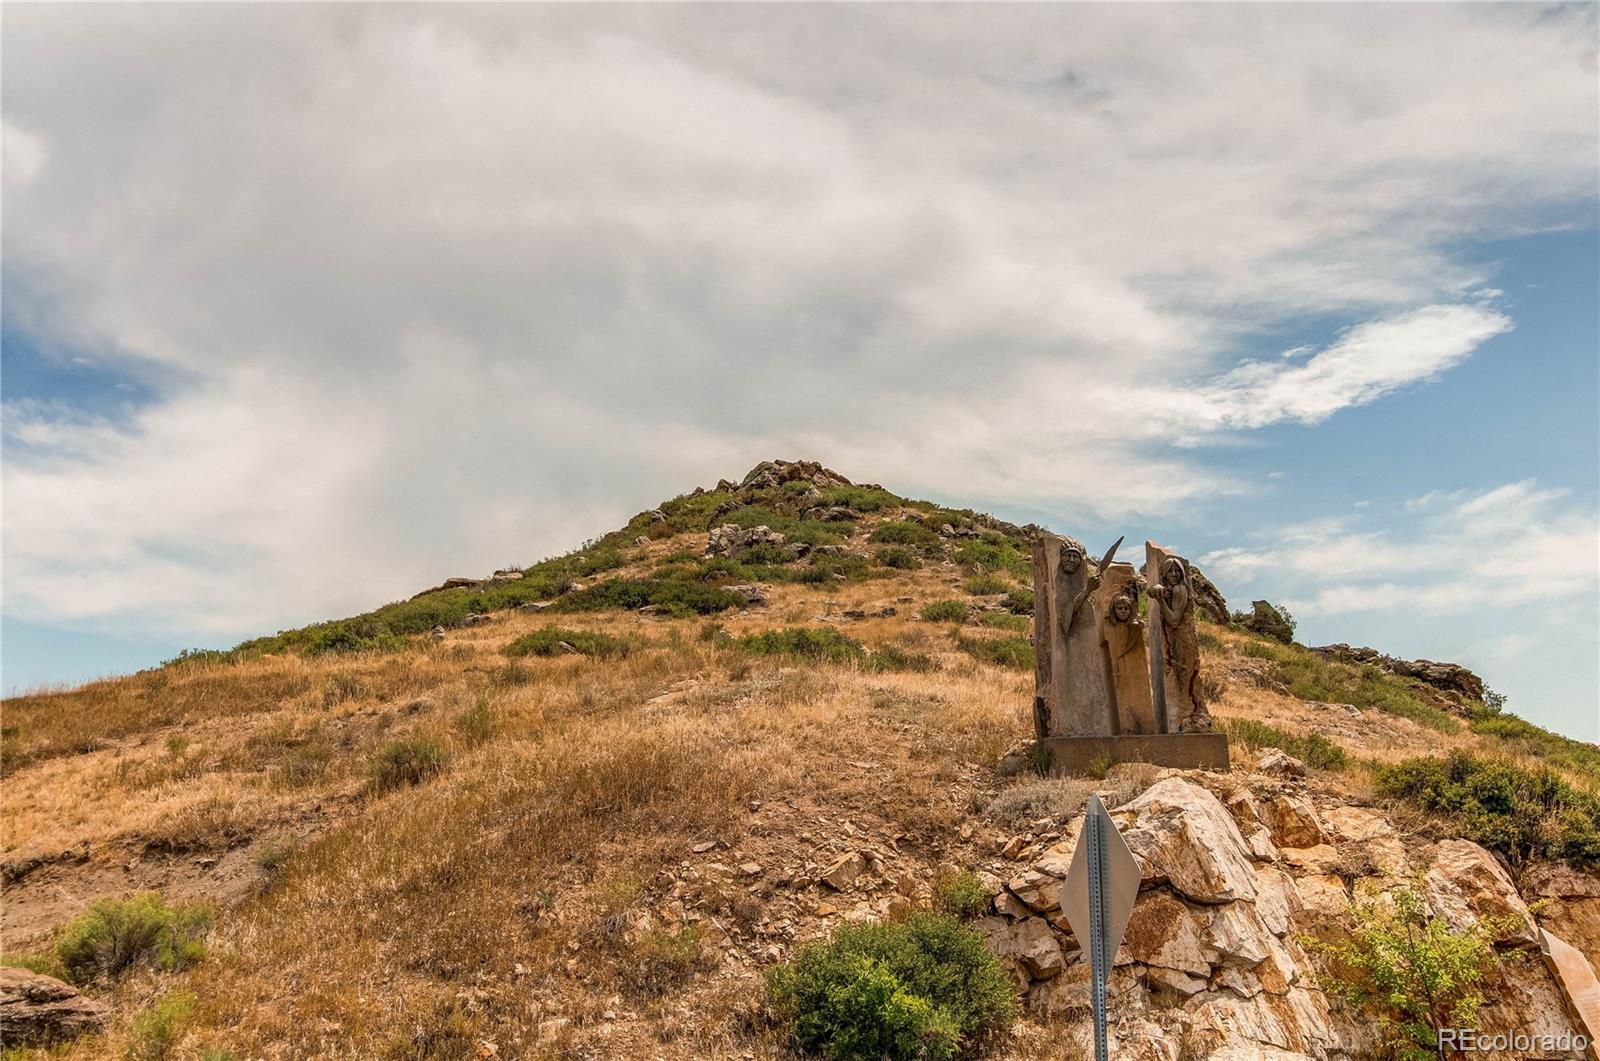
point(1097, 897)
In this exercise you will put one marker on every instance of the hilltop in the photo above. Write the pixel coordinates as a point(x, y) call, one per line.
point(578, 808)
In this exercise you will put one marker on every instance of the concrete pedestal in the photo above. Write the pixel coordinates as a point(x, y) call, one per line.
point(1189, 751)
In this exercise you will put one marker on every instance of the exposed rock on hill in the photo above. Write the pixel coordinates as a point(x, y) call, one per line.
point(1450, 677)
point(39, 1010)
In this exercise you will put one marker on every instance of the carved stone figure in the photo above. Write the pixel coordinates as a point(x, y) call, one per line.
point(1174, 643)
point(1072, 695)
point(1122, 637)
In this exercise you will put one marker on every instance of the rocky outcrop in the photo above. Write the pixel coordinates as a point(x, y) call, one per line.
point(1448, 677)
point(1236, 873)
point(775, 473)
point(729, 538)
point(39, 1010)
point(1208, 598)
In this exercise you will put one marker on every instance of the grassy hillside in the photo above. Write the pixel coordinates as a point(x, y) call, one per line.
point(585, 830)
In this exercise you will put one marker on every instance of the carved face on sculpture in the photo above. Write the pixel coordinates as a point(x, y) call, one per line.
point(1071, 559)
point(1122, 609)
point(1172, 573)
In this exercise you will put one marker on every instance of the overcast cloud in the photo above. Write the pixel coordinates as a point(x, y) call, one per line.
point(425, 291)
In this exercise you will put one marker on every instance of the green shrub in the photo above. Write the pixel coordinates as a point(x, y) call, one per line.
point(1506, 808)
point(1015, 652)
point(805, 642)
point(674, 595)
point(548, 641)
point(986, 585)
point(961, 895)
point(860, 498)
point(895, 658)
point(1313, 749)
point(812, 532)
point(1312, 677)
point(114, 935)
point(1005, 621)
point(945, 611)
point(996, 552)
point(926, 988)
point(1421, 974)
point(406, 762)
point(898, 557)
point(1523, 737)
point(156, 1031)
point(1020, 601)
point(902, 532)
point(1267, 620)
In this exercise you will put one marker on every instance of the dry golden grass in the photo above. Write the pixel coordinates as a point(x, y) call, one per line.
point(528, 900)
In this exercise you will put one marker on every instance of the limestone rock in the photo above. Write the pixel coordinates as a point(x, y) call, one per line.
point(1294, 821)
point(1041, 891)
point(1279, 763)
point(1236, 935)
point(1322, 895)
point(1277, 899)
point(1575, 976)
point(1181, 834)
point(1241, 803)
point(843, 871)
point(1162, 933)
point(729, 538)
point(1466, 883)
point(37, 1010)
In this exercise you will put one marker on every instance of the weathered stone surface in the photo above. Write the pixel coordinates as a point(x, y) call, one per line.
point(775, 473)
point(1162, 932)
point(1071, 697)
point(1317, 859)
point(1247, 815)
point(729, 538)
point(1465, 883)
point(843, 871)
point(1040, 891)
point(1069, 992)
point(1182, 834)
point(1235, 935)
point(38, 1010)
point(1277, 899)
point(1175, 981)
point(752, 594)
point(1523, 996)
point(1293, 821)
point(1575, 976)
point(1294, 1024)
point(1557, 880)
point(1034, 944)
point(1122, 634)
point(1277, 762)
point(1208, 598)
point(1174, 640)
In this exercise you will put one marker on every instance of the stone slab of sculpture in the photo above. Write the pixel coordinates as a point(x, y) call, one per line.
point(1122, 637)
point(1071, 694)
point(1174, 643)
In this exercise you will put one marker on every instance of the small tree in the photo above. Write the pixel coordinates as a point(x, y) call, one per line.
point(1418, 972)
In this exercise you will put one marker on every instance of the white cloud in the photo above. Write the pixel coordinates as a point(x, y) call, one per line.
point(443, 285)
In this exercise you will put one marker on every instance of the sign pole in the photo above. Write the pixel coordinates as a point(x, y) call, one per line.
point(1099, 974)
point(1097, 898)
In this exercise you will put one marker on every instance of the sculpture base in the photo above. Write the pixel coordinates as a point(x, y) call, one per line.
point(1189, 751)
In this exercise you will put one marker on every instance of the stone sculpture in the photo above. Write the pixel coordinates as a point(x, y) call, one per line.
point(1174, 644)
point(1071, 695)
point(1122, 638)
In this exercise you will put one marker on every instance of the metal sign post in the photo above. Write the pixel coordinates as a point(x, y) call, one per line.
point(1097, 897)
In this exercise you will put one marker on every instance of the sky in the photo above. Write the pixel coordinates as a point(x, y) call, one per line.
point(308, 307)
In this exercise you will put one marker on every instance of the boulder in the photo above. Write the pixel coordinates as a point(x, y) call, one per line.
point(1575, 976)
point(843, 871)
point(1465, 884)
point(37, 1010)
point(1181, 834)
point(729, 538)
point(753, 595)
point(1162, 933)
point(1294, 821)
point(1279, 763)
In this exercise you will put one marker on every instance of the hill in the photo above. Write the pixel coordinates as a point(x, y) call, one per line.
point(578, 809)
